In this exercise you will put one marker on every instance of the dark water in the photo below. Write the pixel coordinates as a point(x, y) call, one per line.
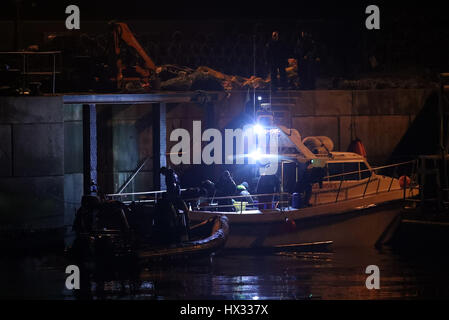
point(335, 275)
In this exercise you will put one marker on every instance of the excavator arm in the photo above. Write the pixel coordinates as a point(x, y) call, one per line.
point(121, 32)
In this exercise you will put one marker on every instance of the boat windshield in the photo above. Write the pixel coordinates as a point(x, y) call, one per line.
point(286, 146)
point(357, 170)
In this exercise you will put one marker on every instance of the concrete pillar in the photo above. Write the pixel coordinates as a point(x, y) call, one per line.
point(159, 144)
point(89, 146)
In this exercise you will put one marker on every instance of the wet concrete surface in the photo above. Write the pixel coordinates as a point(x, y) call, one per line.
point(284, 275)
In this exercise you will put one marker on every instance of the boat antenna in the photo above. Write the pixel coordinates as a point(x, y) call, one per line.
point(254, 71)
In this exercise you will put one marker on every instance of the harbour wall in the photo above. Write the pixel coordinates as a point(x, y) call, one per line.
point(41, 140)
point(380, 117)
point(31, 162)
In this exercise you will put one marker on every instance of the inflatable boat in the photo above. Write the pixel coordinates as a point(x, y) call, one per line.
point(113, 230)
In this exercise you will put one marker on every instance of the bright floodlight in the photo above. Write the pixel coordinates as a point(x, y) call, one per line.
point(258, 129)
point(256, 155)
point(259, 98)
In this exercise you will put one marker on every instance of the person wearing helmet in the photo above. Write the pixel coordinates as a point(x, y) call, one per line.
point(242, 190)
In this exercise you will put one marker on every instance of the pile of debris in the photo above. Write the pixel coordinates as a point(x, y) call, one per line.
point(175, 78)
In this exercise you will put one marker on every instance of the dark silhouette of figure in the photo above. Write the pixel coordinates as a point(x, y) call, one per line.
point(307, 58)
point(166, 221)
point(173, 206)
point(192, 195)
point(277, 55)
point(225, 187)
point(86, 215)
point(310, 176)
point(209, 186)
point(172, 183)
point(207, 194)
point(267, 184)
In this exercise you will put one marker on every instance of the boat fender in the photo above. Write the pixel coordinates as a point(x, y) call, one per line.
point(357, 146)
point(404, 181)
point(296, 201)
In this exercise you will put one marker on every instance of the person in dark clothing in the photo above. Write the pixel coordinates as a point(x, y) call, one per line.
point(191, 196)
point(172, 199)
point(86, 215)
point(225, 187)
point(172, 183)
point(166, 224)
point(209, 186)
point(310, 176)
point(307, 59)
point(277, 55)
point(267, 184)
point(204, 201)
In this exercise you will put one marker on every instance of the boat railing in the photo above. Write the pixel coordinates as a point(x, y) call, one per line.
point(145, 196)
point(406, 169)
point(374, 179)
point(280, 200)
point(374, 184)
point(151, 197)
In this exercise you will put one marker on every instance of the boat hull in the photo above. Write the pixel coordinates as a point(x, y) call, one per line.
point(351, 229)
point(189, 249)
point(110, 247)
point(353, 223)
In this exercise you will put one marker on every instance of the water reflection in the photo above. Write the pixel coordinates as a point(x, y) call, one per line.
point(286, 275)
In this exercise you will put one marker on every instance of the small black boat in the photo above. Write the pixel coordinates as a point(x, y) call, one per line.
point(205, 238)
point(108, 230)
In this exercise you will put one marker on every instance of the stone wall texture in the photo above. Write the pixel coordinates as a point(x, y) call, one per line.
point(41, 141)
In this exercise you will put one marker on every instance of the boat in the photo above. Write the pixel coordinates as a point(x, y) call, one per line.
point(355, 206)
point(134, 233)
point(370, 221)
point(206, 238)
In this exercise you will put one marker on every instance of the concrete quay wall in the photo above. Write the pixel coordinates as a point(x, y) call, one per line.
point(41, 141)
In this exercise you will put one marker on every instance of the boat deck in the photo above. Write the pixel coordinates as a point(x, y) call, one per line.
point(334, 208)
point(253, 211)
